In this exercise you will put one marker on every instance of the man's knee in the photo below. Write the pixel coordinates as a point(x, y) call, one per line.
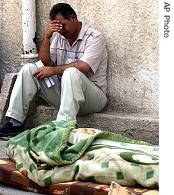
point(72, 73)
point(30, 67)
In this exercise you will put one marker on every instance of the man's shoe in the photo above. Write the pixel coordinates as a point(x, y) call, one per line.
point(8, 129)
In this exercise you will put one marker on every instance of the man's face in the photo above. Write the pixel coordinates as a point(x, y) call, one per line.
point(68, 26)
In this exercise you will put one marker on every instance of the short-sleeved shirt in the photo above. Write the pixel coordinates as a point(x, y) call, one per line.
point(89, 47)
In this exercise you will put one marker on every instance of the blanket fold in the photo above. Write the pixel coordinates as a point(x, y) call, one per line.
point(59, 152)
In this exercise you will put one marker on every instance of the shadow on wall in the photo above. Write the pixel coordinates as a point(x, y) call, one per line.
point(2, 74)
point(1, 80)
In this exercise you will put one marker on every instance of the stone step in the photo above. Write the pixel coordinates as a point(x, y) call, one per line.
point(133, 125)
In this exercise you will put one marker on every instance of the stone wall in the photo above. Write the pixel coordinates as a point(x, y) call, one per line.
point(131, 31)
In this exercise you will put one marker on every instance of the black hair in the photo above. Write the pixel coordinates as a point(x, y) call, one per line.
point(63, 9)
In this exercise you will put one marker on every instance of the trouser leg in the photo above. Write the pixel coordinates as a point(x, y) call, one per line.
point(79, 95)
point(25, 88)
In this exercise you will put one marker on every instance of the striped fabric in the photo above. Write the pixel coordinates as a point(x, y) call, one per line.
point(89, 47)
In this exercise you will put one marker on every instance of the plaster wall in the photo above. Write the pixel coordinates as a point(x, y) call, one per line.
point(10, 36)
point(131, 31)
point(42, 16)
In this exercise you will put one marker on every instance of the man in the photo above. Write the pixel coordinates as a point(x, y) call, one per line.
point(76, 61)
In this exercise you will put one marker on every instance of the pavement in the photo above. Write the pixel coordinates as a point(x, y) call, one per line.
point(6, 189)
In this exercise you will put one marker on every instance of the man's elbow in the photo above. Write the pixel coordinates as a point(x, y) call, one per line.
point(84, 67)
point(45, 61)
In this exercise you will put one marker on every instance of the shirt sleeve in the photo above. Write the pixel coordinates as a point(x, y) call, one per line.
point(94, 50)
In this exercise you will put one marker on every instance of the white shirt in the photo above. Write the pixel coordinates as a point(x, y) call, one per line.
point(89, 47)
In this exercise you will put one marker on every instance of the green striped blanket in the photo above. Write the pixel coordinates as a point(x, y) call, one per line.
point(59, 152)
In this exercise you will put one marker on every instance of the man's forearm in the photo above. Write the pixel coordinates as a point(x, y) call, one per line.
point(44, 53)
point(82, 66)
point(47, 71)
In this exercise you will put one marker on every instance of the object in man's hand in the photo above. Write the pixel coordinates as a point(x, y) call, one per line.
point(49, 81)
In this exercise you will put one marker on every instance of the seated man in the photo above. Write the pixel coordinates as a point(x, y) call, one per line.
point(76, 60)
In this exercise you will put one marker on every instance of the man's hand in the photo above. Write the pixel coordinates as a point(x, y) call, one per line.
point(44, 72)
point(53, 26)
point(44, 53)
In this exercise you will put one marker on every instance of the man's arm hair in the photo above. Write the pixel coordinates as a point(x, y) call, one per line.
point(80, 65)
point(44, 53)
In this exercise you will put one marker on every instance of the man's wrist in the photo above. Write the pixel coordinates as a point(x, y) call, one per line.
point(47, 37)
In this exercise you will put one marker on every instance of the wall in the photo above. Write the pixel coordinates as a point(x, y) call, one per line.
point(43, 7)
point(10, 36)
point(131, 31)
